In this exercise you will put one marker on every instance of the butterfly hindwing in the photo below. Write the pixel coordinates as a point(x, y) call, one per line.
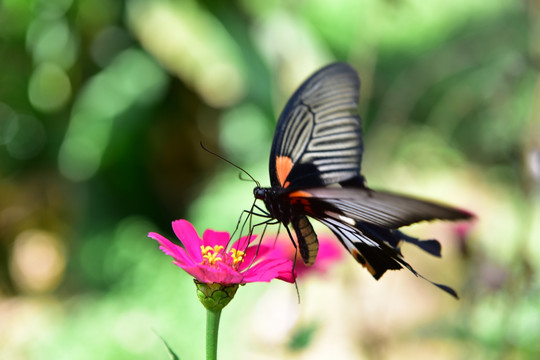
point(373, 253)
point(377, 207)
point(370, 247)
point(376, 247)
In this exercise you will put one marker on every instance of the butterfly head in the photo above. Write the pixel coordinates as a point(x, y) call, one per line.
point(260, 193)
point(272, 202)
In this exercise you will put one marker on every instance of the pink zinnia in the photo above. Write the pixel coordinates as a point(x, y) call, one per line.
point(210, 260)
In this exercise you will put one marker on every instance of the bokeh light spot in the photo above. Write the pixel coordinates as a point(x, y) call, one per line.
point(108, 43)
point(52, 41)
point(29, 138)
point(135, 338)
point(49, 88)
point(79, 158)
point(131, 78)
point(244, 134)
point(193, 44)
point(52, 9)
point(8, 124)
point(38, 261)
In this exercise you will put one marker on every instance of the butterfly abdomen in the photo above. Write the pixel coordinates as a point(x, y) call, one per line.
point(308, 245)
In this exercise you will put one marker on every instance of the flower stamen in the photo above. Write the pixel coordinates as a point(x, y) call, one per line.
point(211, 254)
point(238, 256)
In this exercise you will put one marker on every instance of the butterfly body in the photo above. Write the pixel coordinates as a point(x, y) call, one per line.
point(292, 211)
point(315, 165)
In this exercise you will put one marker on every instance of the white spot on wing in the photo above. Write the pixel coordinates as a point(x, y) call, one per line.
point(347, 220)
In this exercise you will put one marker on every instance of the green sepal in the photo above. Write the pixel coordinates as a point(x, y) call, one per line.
point(215, 297)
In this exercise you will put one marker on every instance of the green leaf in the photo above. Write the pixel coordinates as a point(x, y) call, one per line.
point(172, 354)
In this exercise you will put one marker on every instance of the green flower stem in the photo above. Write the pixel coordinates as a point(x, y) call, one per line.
point(214, 297)
point(212, 328)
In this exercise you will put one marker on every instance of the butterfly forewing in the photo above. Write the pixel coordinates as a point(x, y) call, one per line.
point(318, 135)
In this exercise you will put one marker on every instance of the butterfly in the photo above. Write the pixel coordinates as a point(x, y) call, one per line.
point(315, 172)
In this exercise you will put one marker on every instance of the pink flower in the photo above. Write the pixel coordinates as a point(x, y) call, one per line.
point(330, 251)
point(210, 260)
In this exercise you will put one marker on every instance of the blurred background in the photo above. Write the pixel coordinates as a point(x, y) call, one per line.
point(102, 108)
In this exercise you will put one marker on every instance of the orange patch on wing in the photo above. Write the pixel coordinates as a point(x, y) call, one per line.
point(362, 260)
point(284, 165)
point(300, 193)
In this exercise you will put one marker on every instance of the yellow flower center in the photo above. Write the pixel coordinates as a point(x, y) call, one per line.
point(211, 254)
point(238, 256)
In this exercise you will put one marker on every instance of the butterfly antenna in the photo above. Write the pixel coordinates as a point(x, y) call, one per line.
point(231, 163)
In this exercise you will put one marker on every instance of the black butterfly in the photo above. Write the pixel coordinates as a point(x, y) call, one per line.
point(315, 171)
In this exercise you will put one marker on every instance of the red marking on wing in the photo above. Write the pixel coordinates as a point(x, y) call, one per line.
point(284, 165)
point(300, 197)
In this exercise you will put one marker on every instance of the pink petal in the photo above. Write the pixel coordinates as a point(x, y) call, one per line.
point(213, 238)
point(286, 276)
point(171, 249)
point(329, 250)
point(243, 242)
point(268, 269)
point(221, 275)
point(208, 274)
point(229, 275)
point(266, 265)
point(202, 273)
point(187, 234)
point(196, 271)
point(253, 251)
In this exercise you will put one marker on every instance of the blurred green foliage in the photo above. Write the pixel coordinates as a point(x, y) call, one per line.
point(103, 105)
